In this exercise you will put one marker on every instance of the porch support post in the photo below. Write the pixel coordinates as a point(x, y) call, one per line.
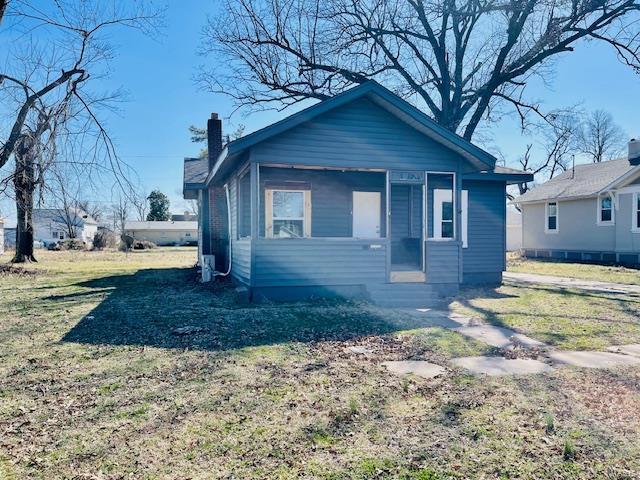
point(255, 200)
point(458, 210)
point(387, 223)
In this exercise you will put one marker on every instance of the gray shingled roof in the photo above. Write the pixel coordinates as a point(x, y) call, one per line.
point(195, 170)
point(588, 180)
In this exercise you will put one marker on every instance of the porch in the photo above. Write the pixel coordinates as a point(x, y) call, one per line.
point(318, 231)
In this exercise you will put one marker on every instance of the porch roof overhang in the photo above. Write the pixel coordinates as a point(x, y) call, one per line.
point(500, 174)
point(383, 97)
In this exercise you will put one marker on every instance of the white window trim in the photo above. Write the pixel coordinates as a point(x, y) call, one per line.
point(546, 218)
point(268, 214)
point(634, 212)
point(441, 195)
point(599, 220)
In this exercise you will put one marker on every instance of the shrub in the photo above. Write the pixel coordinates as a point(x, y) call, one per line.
point(72, 244)
point(143, 245)
point(104, 239)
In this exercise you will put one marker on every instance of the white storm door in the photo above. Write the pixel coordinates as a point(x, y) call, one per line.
point(366, 214)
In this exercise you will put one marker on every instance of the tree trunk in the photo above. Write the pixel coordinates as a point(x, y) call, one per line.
point(24, 233)
point(24, 184)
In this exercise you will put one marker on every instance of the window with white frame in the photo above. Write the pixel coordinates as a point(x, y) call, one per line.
point(605, 210)
point(551, 225)
point(443, 215)
point(287, 213)
point(635, 210)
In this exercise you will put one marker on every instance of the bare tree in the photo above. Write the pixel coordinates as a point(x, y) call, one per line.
point(558, 143)
point(93, 209)
point(463, 61)
point(45, 85)
point(121, 212)
point(140, 204)
point(601, 138)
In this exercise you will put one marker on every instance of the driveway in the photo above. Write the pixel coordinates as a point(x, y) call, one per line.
point(566, 282)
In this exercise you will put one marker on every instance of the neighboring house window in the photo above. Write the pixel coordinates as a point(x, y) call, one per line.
point(635, 210)
point(551, 225)
point(187, 234)
point(605, 210)
point(443, 215)
point(288, 213)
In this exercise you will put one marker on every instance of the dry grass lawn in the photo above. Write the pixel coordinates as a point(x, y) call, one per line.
point(93, 384)
point(602, 273)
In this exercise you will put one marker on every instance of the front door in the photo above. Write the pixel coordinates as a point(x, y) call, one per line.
point(366, 214)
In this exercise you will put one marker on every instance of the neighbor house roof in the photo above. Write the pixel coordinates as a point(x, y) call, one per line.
point(58, 215)
point(584, 181)
point(161, 225)
point(380, 95)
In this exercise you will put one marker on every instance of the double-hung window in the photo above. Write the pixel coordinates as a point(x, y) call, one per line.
point(605, 210)
point(287, 213)
point(551, 225)
point(443, 215)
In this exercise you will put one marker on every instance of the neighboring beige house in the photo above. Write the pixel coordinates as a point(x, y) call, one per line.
point(514, 229)
point(164, 233)
point(589, 213)
point(51, 225)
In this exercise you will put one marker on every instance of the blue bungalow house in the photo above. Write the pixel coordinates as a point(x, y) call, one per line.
point(360, 195)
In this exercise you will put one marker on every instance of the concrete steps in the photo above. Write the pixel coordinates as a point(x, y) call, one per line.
point(410, 295)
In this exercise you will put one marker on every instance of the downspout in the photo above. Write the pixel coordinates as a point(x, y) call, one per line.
point(226, 191)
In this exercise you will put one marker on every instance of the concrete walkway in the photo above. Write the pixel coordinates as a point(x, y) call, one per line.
point(577, 283)
point(505, 338)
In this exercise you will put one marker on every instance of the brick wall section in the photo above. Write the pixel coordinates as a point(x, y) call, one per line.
point(218, 229)
point(219, 232)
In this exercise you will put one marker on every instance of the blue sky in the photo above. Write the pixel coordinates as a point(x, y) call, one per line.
point(151, 129)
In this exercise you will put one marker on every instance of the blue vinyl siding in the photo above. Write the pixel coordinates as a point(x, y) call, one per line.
point(307, 262)
point(486, 228)
point(359, 134)
point(244, 205)
point(233, 199)
point(241, 258)
point(331, 196)
point(442, 261)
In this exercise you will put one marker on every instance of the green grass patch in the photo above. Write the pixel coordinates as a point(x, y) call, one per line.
point(601, 273)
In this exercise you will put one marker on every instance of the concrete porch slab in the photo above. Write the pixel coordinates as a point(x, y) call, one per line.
point(415, 367)
point(498, 336)
point(631, 349)
point(501, 366)
point(589, 359)
point(407, 276)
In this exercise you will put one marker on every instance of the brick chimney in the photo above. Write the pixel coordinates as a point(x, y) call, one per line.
point(218, 241)
point(634, 152)
point(214, 139)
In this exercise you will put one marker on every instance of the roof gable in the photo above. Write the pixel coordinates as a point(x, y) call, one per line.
point(360, 134)
point(384, 98)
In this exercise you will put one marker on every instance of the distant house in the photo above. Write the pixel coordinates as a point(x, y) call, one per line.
point(184, 217)
point(9, 238)
point(51, 225)
point(359, 195)
point(1, 236)
point(164, 233)
point(514, 229)
point(590, 213)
